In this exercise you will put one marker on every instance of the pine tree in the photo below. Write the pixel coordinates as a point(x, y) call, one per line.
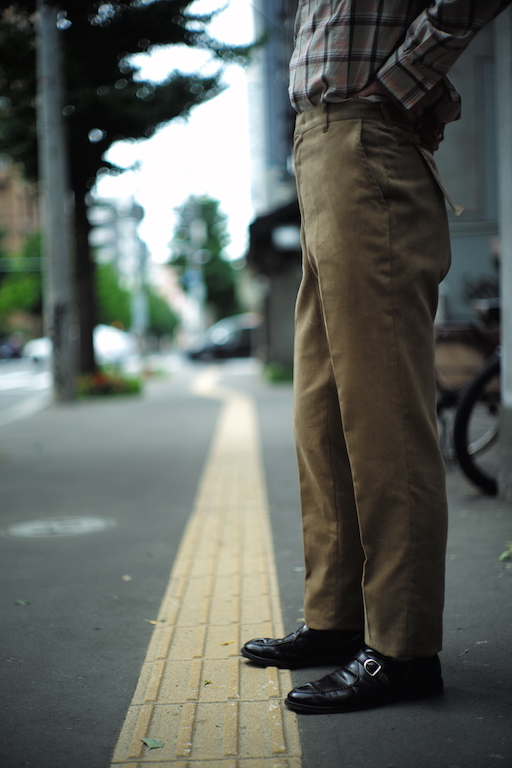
point(106, 100)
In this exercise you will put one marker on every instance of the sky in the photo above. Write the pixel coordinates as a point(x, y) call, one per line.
point(208, 154)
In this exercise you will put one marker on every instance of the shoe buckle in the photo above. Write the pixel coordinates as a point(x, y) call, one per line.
point(372, 667)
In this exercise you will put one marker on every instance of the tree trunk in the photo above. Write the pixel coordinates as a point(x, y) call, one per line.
point(86, 285)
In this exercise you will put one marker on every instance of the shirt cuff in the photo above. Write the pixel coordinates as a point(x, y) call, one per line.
point(444, 100)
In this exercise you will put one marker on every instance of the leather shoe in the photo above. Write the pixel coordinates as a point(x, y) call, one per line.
point(304, 648)
point(368, 680)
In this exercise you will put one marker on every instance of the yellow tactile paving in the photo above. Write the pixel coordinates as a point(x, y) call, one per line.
point(195, 694)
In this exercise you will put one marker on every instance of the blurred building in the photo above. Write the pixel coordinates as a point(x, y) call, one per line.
point(467, 160)
point(274, 248)
point(115, 238)
point(19, 207)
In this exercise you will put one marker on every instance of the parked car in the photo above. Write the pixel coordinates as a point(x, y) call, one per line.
point(234, 336)
point(39, 350)
point(110, 346)
point(11, 347)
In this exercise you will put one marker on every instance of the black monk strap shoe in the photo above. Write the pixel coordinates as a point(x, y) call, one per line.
point(368, 680)
point(304, 648)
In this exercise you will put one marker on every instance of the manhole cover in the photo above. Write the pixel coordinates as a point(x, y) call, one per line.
point(53, 527)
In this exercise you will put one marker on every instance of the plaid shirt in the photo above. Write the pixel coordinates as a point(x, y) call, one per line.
point(408, 45)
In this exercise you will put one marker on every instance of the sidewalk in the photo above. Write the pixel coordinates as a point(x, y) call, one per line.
point(471, 725)
point(78, 611)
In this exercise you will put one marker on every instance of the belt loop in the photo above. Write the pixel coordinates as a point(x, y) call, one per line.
point(385, 114)
point(326, 110)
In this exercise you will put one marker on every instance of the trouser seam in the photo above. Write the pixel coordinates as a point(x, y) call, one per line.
point(334, 485)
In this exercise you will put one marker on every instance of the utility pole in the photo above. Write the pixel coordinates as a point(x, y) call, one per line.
point(59, 300)
point(139, 302)
point(503, 28)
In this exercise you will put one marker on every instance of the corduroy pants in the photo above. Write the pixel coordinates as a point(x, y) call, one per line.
point(372, 480)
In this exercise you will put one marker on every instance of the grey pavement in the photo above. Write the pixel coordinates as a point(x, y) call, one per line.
point(25, 388)
point(75, 609)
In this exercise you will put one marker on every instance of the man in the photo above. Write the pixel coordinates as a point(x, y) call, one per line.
point(368, 79)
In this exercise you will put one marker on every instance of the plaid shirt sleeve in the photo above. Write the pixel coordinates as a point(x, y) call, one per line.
point(433, 43)
point(408, 45)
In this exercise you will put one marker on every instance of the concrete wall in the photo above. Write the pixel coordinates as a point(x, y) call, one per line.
point(467, 160)
point(504, 84)
point(272, 117)
point(279, 316)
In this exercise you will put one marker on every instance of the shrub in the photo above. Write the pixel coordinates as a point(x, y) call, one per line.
point(106, 383)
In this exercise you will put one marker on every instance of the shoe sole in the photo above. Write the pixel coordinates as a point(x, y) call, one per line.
point(316, 710)
point(282, 664)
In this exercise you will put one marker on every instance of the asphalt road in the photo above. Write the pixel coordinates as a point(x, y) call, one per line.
point(25, 387)
point(75, 610)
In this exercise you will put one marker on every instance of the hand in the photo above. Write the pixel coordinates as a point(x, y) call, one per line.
point(376, 88)
point(430, 130)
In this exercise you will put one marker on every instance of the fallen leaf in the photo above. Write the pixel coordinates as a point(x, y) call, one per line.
point(153, 743)
point(160, 621)
point(228, 642)
point(127, 578)
point(22, 602)
point(207, 682)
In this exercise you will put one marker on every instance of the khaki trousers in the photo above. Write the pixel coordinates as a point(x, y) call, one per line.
point(372, 479)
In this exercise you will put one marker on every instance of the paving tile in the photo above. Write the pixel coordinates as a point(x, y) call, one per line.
point(196, 695)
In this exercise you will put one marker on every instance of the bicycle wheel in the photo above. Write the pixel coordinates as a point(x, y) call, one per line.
point(459, 354)
point(476, 428)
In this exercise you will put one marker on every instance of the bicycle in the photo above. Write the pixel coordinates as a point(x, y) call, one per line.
point(476, 427)
point(467, 372)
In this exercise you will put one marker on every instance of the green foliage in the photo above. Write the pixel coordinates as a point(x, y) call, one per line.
point(113, 301)
point(278, 373)
point(221, 297)
point(104, 92)
point(21, 288)
point(19, 292)
point(219, 276)
point(114, 304)
point(32, 247)
point(106, 99)
point(162, 319)
point(153, 743)
point(104, 382)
